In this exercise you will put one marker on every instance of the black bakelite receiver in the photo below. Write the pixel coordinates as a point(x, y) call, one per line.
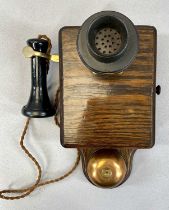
point(39, 104)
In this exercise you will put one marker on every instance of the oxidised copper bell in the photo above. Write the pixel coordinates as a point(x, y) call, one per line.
point(39, 104)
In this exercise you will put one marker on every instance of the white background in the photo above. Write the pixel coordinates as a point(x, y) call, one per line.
point(148, 186)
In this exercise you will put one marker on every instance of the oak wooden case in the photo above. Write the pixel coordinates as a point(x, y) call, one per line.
point(112, 110)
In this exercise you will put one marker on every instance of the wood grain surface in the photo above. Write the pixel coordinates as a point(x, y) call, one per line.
point(115, 110)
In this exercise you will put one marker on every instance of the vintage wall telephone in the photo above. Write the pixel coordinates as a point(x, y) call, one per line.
point(106, 98)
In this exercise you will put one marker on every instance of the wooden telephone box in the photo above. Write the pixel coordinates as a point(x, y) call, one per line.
point(107, 115)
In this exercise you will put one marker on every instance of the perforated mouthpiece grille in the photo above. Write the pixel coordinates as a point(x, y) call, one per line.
point(108, 41)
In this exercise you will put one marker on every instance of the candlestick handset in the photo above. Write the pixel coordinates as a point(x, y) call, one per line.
point(39, 104)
